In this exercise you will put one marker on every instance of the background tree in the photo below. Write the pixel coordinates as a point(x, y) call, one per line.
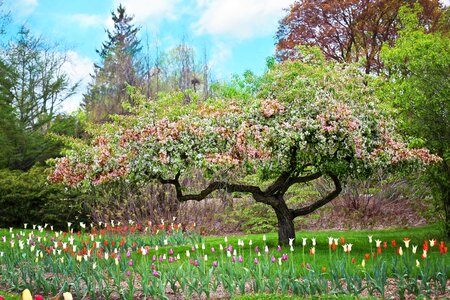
point(119, 67)
point(418, 69)
point(347, 31)
point(314, 120)
point(32, 88)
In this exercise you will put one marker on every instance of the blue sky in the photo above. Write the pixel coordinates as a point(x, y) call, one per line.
point(237, 34)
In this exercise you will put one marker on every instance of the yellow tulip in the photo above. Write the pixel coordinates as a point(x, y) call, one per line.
point(67, 296)
point(26, 295)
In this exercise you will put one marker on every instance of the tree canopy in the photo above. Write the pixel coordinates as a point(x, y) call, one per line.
point(312, 119)
point(347, 31)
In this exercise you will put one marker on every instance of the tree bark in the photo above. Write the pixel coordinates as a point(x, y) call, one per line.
point(285, 219)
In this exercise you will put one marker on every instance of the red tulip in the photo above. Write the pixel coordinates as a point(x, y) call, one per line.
point(1, 297)
point(342, 240)
point(367, 255)
point(38, 297)
point(394, 243)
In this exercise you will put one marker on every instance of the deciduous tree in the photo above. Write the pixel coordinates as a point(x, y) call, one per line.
point(347, 30)
point(314, 119)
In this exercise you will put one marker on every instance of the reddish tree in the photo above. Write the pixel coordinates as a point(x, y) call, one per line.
point(347, 30)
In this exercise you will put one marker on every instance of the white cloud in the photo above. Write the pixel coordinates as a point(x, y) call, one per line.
point(240, 19)
point(146, 9)
point(87, 20)
point(221, 52)
point(22, 8)
point(78, 68)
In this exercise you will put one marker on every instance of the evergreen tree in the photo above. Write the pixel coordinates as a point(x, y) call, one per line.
point(119, 67)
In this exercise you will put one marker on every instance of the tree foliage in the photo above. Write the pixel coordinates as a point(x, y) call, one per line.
point(347, 31)
point(418, 68)
point(313, 119)
point(118, 68)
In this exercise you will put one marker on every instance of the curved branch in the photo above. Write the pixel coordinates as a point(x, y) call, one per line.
point(213, 186)
point(298, 179)
point(321, 202)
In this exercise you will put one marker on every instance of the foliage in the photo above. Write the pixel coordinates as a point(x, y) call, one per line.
point(417, 69)
point(26, 197)
point(347, 31)
point(313, 119)
point(119, 67)
point(32, 87)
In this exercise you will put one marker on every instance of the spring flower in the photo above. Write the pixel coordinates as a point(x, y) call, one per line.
point(432, 242)
point(292, 248)
point(378, 243)
point(291, 241)
point(170, 259)
point(170, 251)
point(394, 243)
point(203, 246)
point(221, 247)
point(363, 263)
point(417, 263)
point(342, 240)
point(406, 241)
point(165, 242)
point(213, 250)
point(226, 239)
point(250, 243)
point(279, 261)
point(38, 297)
point(424, 254)
point(130, 263)
point(279, 248)
point(240, 259)
point(26, 295)
point(228, 253)
point(205, 258)
point(94, 265)
point(69, 224)
point(367, 256)
point(264, 238)
point(256, 249)
point(273, 259)
point(67, 296)
point(25, 225)
point(304, 241)
point(266, 250)
point(370, 239)
point(330, 241)
point(255, 261)
point(400, 251)
point(313, 241)
point(414, 249)
point(312, 251)
point(215, 264)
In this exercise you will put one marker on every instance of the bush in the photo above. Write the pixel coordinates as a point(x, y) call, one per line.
point(27, 197)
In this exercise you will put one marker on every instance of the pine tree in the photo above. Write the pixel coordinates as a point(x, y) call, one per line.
point(119, 67)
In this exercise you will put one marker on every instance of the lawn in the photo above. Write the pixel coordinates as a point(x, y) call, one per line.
point(168, 260)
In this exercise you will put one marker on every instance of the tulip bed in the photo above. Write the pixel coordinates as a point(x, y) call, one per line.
point(113, 261)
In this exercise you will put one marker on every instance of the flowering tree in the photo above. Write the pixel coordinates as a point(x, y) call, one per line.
point(313, 119)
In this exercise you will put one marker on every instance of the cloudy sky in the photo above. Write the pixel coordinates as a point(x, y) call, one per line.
point(237, 34)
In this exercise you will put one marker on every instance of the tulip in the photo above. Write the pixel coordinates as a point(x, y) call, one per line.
point(38, 297)
point(414, 249)
point(215, 264)
point(363, 263)
point(417, 263)
point(26, 295)
point(400, 251)
point(406, 241)
point(370, 238)
point(255, 261)
point(313, 241)
point(312, 251)
point(330, 241)
point(432, 242)
point(378, 243)
point(304, 241)
point(291, 241)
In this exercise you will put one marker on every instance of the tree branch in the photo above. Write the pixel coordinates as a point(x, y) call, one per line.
point(321, 202)
point(213, 186)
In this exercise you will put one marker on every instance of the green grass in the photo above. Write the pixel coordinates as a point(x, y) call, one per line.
point(287, 297)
